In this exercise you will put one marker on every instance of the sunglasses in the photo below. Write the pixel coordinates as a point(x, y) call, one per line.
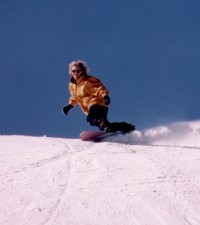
point(76, 71)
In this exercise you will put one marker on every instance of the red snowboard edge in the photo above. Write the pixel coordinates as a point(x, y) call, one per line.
point(90, 135)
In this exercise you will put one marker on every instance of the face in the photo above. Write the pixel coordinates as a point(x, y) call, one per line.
point(76, 72)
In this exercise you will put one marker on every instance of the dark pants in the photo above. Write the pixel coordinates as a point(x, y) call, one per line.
point(97, 115)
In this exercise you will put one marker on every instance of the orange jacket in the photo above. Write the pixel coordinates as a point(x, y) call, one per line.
point(87, 91)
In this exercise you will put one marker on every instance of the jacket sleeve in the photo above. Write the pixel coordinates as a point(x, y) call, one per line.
point(97, 87)
point(72, 99)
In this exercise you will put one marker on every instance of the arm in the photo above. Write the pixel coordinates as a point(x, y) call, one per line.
point(72, 101)
point(97, 88)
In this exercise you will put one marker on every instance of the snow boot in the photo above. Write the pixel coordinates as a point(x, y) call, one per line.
point(121, 127)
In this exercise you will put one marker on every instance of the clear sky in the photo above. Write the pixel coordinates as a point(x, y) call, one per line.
point(146, 52)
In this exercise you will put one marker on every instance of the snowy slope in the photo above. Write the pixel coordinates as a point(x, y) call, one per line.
point(133, 179)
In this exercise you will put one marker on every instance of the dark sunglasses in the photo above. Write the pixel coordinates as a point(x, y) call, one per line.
point(77, 71)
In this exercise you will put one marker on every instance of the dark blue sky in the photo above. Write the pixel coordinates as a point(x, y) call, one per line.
point(145, 51)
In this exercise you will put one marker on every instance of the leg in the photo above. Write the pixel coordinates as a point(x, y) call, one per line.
point(121, 126)
point(97, 116)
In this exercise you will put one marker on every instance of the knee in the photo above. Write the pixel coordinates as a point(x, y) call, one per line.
point(96, 122)
point(91, 121)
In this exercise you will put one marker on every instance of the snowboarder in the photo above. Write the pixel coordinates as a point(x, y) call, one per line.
point(93, 98)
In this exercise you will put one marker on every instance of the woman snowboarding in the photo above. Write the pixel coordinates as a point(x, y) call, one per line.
point(93, 98)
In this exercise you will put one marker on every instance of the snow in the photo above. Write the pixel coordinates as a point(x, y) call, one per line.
point(149, 178)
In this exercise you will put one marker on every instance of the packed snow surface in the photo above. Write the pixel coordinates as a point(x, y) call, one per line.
point(141, 178)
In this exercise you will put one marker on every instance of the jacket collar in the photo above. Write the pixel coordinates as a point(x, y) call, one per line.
point(82, 77)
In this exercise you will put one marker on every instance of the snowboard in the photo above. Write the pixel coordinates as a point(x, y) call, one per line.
point(95, 136)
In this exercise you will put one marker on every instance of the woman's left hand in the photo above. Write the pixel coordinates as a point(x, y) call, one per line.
point(106, 100)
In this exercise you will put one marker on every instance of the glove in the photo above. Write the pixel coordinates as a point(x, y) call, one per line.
point(106, 100)
point(66, 109)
